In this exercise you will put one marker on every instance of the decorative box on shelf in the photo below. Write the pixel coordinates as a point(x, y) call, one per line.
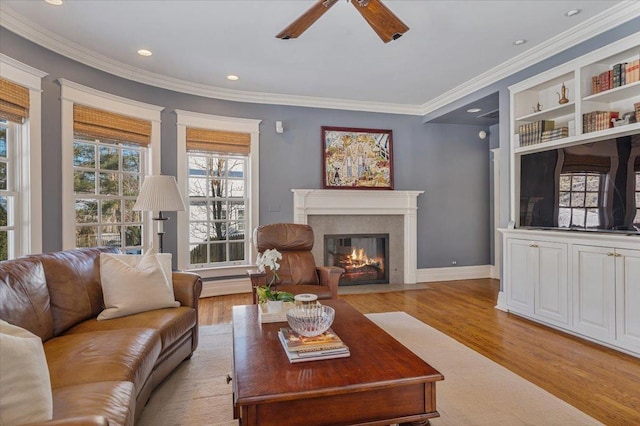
point(280, 316)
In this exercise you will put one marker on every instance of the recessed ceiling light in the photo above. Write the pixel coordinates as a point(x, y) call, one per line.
point(472, 110)
point(519, 42)
point(233, 77)
point(54, 2)
point(572, 12)
point(144, 52)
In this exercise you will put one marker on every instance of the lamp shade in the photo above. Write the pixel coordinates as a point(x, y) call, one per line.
point(159, 193)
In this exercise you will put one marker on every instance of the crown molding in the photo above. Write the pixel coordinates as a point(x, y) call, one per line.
point(610, 18)
point(18, 24)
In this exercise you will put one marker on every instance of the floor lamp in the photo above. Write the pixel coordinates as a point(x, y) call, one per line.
point(159, 193)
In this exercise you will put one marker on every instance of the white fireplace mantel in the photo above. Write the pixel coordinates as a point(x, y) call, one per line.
point(308, 202)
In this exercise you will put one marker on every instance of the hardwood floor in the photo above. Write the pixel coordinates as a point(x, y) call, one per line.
point(599, 381)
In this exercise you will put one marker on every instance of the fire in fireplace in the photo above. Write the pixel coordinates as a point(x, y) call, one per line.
point(364, 257)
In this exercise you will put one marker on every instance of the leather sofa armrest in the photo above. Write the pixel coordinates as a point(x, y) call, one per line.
point(329, 276)
point(187, 287)
point(258, 279)
point(75, 421)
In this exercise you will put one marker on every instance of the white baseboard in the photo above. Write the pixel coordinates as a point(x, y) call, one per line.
point(226, 286)
point(495, 272)
point(502, 302)
point(453, 273)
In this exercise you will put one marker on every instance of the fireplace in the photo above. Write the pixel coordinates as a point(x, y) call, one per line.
point(337, 211)
point(364, 257)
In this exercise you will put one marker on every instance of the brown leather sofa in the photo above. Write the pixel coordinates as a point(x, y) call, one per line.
point(102, 372)
point(298, 272)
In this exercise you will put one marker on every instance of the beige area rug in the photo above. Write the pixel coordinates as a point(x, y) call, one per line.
point(476, 390)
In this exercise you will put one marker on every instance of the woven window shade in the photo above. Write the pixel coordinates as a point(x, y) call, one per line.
point(585, 164)
point(218, 141)
point(98, 124)
point(14, 101)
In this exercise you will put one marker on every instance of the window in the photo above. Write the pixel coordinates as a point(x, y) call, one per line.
point(218, 173)
point(106, 180)
point(217, 203)
point(109, 144)
point(580, 200)
point(20, 163)
point(8, 192)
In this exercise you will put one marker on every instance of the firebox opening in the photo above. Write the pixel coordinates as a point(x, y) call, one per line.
point(365, 257)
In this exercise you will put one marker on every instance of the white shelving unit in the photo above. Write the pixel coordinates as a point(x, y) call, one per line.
point(543, 89)
point(579, 282)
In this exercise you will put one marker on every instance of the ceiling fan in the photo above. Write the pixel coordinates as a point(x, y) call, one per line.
point(378, 16)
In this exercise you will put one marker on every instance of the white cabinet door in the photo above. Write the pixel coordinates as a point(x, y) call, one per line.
point(628, 298)
point(594, 292)
point(551, 289)
point(521, 275)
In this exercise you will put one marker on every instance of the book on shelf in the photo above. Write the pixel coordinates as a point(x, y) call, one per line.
point(632, 71)
point(531, 133)
point(619, 75)
point(598, 120)
point(319, 352)
point(559, 133)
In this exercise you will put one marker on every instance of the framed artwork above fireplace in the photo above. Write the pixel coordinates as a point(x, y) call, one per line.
point(355, 158)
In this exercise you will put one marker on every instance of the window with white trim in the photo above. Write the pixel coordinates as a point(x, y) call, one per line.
point(107, 176)
point(9, 193)
point(20, 164)
point(109, 144)
point(217, 202)
point(218, 174)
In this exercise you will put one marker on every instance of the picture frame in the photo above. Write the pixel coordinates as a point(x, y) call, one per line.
point(355, 158)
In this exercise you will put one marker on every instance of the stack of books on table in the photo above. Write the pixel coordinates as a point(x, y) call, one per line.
point(300, 348)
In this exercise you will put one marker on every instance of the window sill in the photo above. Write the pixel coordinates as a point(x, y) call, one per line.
point(222, 271)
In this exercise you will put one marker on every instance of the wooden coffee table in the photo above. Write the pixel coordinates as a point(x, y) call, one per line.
point(382, 382)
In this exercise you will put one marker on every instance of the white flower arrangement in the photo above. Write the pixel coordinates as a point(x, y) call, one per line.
point(269, 259)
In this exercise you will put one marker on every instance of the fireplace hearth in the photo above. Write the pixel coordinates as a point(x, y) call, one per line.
point(364, 257)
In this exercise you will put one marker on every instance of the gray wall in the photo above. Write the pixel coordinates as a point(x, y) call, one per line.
point(449, 162)
point(445, 161)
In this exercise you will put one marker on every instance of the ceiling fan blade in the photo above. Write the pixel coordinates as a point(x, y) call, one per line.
point(305, 20)
point(387, 25)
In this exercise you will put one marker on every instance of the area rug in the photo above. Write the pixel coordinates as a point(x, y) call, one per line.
point(476, 390)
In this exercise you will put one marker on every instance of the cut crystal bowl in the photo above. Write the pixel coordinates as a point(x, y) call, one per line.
point(310, 319)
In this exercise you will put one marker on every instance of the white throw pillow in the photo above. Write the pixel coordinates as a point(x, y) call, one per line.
point(25, 385)
point(132, 284)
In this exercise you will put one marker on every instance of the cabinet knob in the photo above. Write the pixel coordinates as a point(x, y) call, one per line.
point(611, 254)
point(534, 245)
point(229, 378)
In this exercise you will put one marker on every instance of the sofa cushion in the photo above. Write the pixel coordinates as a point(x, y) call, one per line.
point(25, 387)
point(73, 278)
point(171, 323)
point(24, 296)
point(113, 400)
point(114, 355)
point(131, 289)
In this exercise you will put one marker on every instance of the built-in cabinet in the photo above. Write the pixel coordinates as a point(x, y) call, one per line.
point(598, 297)
point(537, 279)
point(587, 284)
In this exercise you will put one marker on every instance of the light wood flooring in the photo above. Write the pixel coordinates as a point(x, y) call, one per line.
point(599, 381)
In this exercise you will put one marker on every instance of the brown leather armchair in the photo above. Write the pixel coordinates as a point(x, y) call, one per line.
point(298, 272)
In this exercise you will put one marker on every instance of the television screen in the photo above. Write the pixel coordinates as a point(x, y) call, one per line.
point(595, 186)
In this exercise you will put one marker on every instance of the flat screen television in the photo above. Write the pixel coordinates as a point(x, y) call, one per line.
point(589, 187)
